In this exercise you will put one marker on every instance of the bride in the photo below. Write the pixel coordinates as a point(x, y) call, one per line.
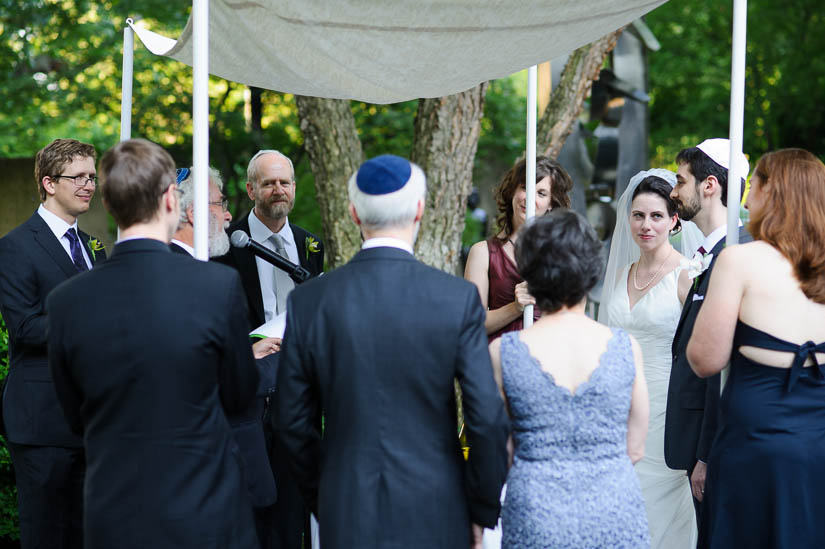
point(643, 293)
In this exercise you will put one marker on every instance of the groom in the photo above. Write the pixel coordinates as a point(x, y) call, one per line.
point(377, 343)
point(692, 402)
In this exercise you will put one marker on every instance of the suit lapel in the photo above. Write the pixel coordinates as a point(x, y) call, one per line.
point(48, 241)
point(300, 245)
point(84, 240)
point(248, 269)
point(699, 283)
point(685, 309)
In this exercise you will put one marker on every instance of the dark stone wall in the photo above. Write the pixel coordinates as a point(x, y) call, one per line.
point(19, 199)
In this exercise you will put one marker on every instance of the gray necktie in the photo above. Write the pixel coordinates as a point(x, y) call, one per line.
point(283, 284)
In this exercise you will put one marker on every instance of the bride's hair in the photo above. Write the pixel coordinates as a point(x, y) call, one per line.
point(661, 188)
point(792, 218)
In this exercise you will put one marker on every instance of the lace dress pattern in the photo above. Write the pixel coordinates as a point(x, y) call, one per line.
point(572, 483)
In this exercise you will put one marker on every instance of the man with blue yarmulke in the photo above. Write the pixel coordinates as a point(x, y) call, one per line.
point(377, 344)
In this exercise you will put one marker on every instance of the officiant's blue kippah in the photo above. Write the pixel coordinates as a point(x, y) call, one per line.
point(383, 174)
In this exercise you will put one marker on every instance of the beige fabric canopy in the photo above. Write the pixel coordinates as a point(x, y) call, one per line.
point(390, 51)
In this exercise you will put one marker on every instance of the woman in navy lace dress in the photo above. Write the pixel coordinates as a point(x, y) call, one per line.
point(578, 402)
point(765, 314)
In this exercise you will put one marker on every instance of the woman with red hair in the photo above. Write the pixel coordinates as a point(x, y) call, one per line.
point(765, 315)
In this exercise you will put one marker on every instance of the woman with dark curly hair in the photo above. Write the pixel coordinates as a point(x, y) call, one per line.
point(764, 313)
point(577, 399)
point(491, 264)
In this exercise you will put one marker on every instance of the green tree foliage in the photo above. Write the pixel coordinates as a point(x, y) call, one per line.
point(9, 526)
point(785, 76)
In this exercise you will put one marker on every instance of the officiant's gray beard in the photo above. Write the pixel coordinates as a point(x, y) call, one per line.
point(218, 244)
point(415, 233)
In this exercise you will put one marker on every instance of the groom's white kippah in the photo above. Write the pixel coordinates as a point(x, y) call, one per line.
point(718, 150)
point(383, 174)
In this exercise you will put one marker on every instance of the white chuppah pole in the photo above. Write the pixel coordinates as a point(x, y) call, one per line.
point(737, 121)
point(126, 82)
point(530, 183)
point(200, 130)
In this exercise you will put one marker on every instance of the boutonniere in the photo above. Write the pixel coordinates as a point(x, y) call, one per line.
point(696, 266)
point(312, 246)
point(95, 245)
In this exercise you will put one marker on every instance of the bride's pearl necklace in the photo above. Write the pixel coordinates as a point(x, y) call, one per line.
point(636, 271)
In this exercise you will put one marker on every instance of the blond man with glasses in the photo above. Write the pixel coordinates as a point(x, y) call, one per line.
point(43, 252)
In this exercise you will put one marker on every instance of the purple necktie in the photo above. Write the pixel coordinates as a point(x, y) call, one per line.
point(77, 254)
point(702, 250)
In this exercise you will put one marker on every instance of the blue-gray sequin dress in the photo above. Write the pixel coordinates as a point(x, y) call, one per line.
point(572, 483)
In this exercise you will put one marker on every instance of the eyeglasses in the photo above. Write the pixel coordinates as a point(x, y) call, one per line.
point(78, 180)
point(223, 203)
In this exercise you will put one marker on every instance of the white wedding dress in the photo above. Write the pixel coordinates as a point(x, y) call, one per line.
point(652, 321)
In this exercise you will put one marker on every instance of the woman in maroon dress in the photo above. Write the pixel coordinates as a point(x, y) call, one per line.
point(491, 265)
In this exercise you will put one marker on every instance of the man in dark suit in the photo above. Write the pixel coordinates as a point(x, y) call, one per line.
point(247, 426)
point(378, 343)
point(271, 185)
point(147, 369)
point(692, 402)
point(38, 255)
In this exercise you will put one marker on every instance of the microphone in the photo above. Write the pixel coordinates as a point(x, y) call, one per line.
point(298, 274)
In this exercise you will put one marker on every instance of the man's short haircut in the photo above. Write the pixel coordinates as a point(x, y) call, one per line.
point(54, 157)
point(559, 255)
point(395, 209)
point(252, 170)
point(187, 190)
point(702, 167)
point(134, 174)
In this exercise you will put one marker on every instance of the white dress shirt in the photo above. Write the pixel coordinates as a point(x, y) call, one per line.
point(185, 246)
point(59, 228)
point(387, 242)
point(715, 236)
point(266, 271)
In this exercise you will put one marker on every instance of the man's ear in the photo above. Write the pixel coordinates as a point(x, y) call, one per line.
point(190, 215)
point(710, 185)
point(354, 215)
point(48, 185)
point(170, 198)
point(419, 210)
point(250, 190)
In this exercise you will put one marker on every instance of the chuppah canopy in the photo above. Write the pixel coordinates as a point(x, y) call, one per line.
point(390, 51)
point(395, 51)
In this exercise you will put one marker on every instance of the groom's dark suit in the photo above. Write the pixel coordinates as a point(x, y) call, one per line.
point(144, 367)
point(378, 342)
point(47, 456)
point(692, 402)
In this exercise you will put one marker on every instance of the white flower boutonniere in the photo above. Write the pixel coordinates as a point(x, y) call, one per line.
point(697, 265)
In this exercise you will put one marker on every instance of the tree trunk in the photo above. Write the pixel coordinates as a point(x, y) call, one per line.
point(568, 97)
point(335, 153)
point(444, 145)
